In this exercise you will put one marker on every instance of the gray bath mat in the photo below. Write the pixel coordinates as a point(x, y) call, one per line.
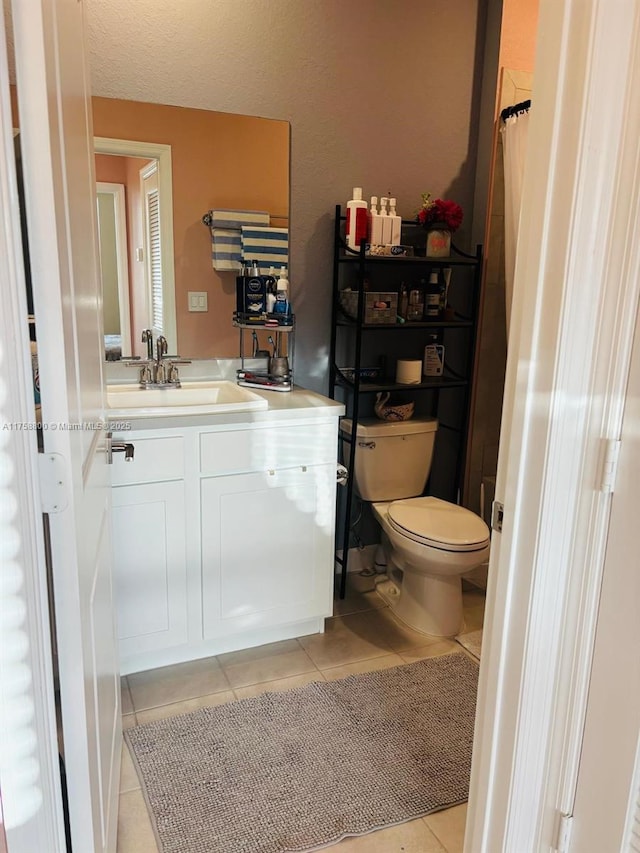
point(299, 770)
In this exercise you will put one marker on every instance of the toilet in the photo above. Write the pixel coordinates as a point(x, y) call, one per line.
point(429, 543)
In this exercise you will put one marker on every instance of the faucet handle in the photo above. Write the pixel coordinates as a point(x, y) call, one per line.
point(173, 374)
point(145, 375)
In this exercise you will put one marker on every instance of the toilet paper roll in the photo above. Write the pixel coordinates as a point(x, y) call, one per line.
point(409, 371)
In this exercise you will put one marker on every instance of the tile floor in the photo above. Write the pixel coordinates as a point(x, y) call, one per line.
point(362, 636)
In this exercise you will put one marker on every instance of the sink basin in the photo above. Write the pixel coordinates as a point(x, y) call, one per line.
point(192, 398)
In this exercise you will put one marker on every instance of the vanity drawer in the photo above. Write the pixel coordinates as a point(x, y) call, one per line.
point(154, 460)
point(277, 446)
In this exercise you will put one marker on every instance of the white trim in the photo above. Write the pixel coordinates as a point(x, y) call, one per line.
point(31, 801)
point(120, 217)
point(162, 153)
point(575, 302)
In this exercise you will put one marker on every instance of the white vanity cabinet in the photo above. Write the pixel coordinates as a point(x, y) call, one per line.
point(223, 535)
point(267, 527)
point(148, 530)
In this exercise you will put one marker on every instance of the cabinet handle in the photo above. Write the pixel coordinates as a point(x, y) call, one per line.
point(119, 447)
point(369, 445)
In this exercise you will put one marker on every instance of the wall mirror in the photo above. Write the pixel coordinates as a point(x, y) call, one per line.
point(190, 161)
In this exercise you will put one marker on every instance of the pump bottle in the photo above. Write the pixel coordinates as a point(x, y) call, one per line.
point(282, 304)
point(356, 229)
point(395, 223)
point(386, 222)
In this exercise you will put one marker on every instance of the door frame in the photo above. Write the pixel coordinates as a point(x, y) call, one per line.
point(117, 192)
point(577, 285)
point(162, 153)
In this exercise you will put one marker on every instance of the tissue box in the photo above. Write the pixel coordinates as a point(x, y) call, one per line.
point(378, 307)
point(367, 374)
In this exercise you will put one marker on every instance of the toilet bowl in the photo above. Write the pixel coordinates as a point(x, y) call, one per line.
point(429, 542)
point(433, 543)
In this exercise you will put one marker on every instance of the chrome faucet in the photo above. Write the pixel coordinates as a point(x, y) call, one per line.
point(147, 338)
point(159, 371)
point(160, 376)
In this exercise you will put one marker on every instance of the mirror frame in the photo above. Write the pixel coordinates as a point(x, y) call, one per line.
point(162, 153)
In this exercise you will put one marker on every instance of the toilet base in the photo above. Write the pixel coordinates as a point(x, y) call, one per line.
point(429, 604)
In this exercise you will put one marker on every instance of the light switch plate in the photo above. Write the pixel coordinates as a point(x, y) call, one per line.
point(198, 301)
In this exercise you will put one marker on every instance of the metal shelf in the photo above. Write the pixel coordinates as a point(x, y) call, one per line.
point(466, 306)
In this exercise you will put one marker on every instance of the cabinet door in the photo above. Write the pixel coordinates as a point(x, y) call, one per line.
point(267, 548)
point(150, 567)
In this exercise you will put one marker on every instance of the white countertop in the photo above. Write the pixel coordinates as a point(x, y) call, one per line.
point(299, 404)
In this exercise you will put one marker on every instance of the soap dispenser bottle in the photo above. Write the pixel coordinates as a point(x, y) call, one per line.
point(395, 223)
point(375, 223)
point(356, 228)
point(282, 304)
point(386, 222)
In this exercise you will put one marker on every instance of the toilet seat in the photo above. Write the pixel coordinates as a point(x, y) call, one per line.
point(438, 524)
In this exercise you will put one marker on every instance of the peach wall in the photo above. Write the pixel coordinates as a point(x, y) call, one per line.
point(518, 34)
point(111, 170)
point(219, 160)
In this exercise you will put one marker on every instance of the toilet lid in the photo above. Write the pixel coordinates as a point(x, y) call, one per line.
point(439, 524)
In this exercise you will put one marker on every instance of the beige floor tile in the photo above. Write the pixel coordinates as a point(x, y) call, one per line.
point(408, 837)
point(441, 647)
point(278, 685)
point(128, 777)
point(176, 683)
point(448, 827)
point(282, 662)
point(360, 595)
point(161, 712)
point(394, 633)
point(346, 639)
point(125, 696)
point(473, 619)
point(135, 834)
point(128, 721)
point(371, 665)
point(257, 653)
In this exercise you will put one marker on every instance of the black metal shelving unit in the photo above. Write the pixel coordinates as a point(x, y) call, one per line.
point(351, 333)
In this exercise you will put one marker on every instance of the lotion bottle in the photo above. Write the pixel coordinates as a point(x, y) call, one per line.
point(356, 229)
point(395, 223)
point(375, 223)
point(282, 304)
point(386, 222)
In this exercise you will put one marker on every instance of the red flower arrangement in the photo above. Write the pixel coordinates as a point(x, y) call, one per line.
point(440, 212)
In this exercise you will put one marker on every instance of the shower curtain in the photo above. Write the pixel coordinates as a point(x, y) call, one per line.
point(514, 128)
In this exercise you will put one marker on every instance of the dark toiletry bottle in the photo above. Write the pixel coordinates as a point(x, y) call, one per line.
point(432, 298)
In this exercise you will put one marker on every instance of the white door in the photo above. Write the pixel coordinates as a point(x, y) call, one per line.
point(612, 721)
point(56, 133)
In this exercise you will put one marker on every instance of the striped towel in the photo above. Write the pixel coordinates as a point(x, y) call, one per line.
point(226, 249)
point(236, 218)
point(266, 246)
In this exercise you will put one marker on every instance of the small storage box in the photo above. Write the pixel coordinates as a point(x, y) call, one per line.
point(378, 307)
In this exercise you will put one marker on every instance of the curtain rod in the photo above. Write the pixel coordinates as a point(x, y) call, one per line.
point(515, 110)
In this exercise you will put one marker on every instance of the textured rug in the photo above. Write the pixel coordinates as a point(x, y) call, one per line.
point(472, 642)
point(298, 770)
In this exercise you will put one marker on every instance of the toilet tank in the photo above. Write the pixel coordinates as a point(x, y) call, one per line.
point(393, 460)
